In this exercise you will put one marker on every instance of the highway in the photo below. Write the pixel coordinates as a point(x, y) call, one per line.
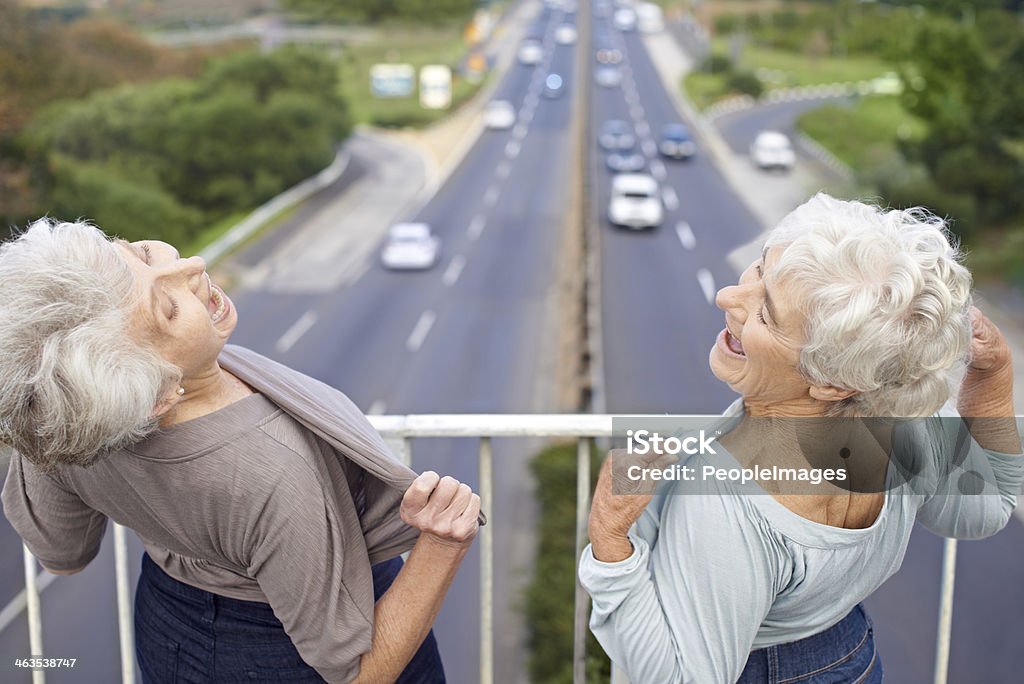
point(476, 335)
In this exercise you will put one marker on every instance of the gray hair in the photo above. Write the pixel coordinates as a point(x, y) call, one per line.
point(886, 302)
point(73, 382)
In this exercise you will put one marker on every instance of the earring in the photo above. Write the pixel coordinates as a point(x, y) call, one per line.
point(181, 391)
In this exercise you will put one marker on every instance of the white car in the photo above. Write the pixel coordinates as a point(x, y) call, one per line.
point(499, 115)
point(607, 76)
point(624, 19)
point(565, 34)
point(410, 246)
point(530, 52)
point(772, 150)
point(635, 202)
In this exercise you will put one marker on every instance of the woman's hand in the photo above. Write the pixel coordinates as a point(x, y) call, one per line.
point(989, 350)
point(442, 508)
point(618, 503)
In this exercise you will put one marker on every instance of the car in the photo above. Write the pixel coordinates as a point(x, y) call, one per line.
point(676, 142)
point(410, 246)
point(553, 85)
point(609, 56)
point(499, 115)
point(616, 136)
point(608, 76)
point(772, 150)
point(635, 202)
point(624, 19)
point(565, 34)
point(625, 162)
point(530, 52)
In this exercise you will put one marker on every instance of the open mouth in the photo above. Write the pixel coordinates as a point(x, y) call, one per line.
point(731, 344)
point(218, 304)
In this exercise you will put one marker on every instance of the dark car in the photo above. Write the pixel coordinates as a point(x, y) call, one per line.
point(616, 136)
point(676, 142)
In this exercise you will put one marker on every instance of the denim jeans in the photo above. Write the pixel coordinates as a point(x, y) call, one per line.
point(842, 654)
point(187, 635)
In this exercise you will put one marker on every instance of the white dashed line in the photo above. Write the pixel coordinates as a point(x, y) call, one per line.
point(657, 169)
point(649, 148)
point(298, 329)
point(454, 270)
point(512, 149)
point(526, 115)
point(631, 97)
point(707, 284)
point(419, 333)
point(377, 408)
point(637, 112)
point(669, 197)
point(502, 171)
point(476, 227)
point(519, 132)
point(642, 129)
point(491, 196)
point(358, 273)
point(685, 234)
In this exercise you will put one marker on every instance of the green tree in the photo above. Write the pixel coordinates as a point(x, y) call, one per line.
point(973, 107)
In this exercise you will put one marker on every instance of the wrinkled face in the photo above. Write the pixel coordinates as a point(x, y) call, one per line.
point(757, 353)
point(179, 310)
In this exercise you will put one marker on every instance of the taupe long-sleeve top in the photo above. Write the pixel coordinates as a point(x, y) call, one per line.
point(246, 502)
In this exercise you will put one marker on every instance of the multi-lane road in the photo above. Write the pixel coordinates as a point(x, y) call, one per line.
point(476, 335)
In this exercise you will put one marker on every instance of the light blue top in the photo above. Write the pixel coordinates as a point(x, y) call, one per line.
point(721, 570)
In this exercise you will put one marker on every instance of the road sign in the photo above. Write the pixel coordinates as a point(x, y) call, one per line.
point(392, 80)
point(435, 86)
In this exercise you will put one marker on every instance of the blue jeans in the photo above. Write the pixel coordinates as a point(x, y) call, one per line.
point(187, 635)
point(842, 654)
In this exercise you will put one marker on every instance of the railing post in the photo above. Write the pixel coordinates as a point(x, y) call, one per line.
point(945, 611)
point(35, 624)
point(124, 605)
point(581, 602)
point(486, 565)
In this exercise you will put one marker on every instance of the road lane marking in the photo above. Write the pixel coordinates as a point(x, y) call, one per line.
point(637, 112)
point(491, 196)
point(519, 132)
point(631, 97)
point(707, 284)
point(377, 408)
point(502, 171)
point(642, 129)
point(419, 333)
point(531, 100)
point(668, 195)
point(649, 148)
point(17, 605)
point(476, 226)
point(298, 329)
point(454, 270)
point(685, 234)
point(658, 169)
point(512, 149)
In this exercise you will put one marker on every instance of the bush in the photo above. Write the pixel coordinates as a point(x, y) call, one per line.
point(549, 598)
point(745, 82)
point(717, 64)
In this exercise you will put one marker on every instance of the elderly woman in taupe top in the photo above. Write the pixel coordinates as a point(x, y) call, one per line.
point(262, 496)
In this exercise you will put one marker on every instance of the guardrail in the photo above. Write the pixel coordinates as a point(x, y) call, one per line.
point(399, 431)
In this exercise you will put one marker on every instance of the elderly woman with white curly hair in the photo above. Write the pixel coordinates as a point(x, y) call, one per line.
point(843, 338)
point(272, 514)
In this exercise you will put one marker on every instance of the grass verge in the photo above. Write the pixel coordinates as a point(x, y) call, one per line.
point(863, 133)
point(549, 598)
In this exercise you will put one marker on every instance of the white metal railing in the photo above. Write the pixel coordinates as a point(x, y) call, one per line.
point(399, 431)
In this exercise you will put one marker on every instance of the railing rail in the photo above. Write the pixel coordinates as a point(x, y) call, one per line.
point(400, 430)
